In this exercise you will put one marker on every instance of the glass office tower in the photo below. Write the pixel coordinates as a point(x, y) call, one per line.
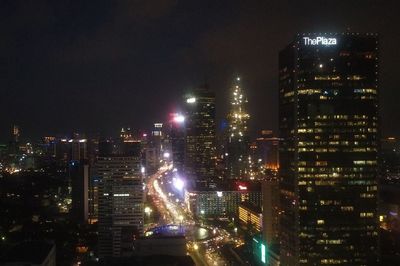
point(328, 122)
point(200, 149)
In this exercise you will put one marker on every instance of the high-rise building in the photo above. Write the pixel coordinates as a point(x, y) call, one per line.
point(328, 122)
point(120, 204)
point(79, 175)
point(157, 135)
point(153, 149)
point(78, 169)
point(238, 143)
point(176, 137)
point(200, 149)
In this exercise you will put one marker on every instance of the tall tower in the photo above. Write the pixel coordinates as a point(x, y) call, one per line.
point(177, 141)
point(238, 138)
point(328, 122)
point(200, 149)
point(78, 169)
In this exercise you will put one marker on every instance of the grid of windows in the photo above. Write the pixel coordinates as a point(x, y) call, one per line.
point(329, 125)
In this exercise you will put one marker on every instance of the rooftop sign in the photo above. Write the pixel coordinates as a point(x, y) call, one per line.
point(319, 41)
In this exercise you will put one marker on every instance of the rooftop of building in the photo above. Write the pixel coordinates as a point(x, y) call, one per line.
point(32, 252)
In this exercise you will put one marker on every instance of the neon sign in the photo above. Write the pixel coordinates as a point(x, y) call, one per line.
point(319, 41)
point(263, 253)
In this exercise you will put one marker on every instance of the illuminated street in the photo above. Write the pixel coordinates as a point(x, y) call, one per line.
point(203, 242)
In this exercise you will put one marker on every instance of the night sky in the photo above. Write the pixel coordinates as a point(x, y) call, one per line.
point(94, 66)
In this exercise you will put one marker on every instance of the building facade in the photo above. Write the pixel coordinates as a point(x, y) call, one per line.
point(120, 204)
point(177, 141)
point(328, 122)
point(200, 149)
point(251, 215)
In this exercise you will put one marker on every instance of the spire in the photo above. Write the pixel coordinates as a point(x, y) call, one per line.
point(238, 115)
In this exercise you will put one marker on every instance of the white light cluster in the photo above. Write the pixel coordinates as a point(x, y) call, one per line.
point(191, 100)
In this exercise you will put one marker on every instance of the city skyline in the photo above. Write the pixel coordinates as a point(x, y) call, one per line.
point(58, 71)
point(166, 132)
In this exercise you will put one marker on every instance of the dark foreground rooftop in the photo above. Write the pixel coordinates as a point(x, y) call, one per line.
point(154, 260)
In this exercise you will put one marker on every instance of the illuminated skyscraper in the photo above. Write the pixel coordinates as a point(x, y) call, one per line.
point(78, 169)
point(238, 139)
point(200, 150)
point(328, 121)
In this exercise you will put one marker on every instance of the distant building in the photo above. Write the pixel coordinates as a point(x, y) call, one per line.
point(152, 159)
point(176, 137)
point(157, 136)
point(13, 146)
point(78, 149)
point(200, 149)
